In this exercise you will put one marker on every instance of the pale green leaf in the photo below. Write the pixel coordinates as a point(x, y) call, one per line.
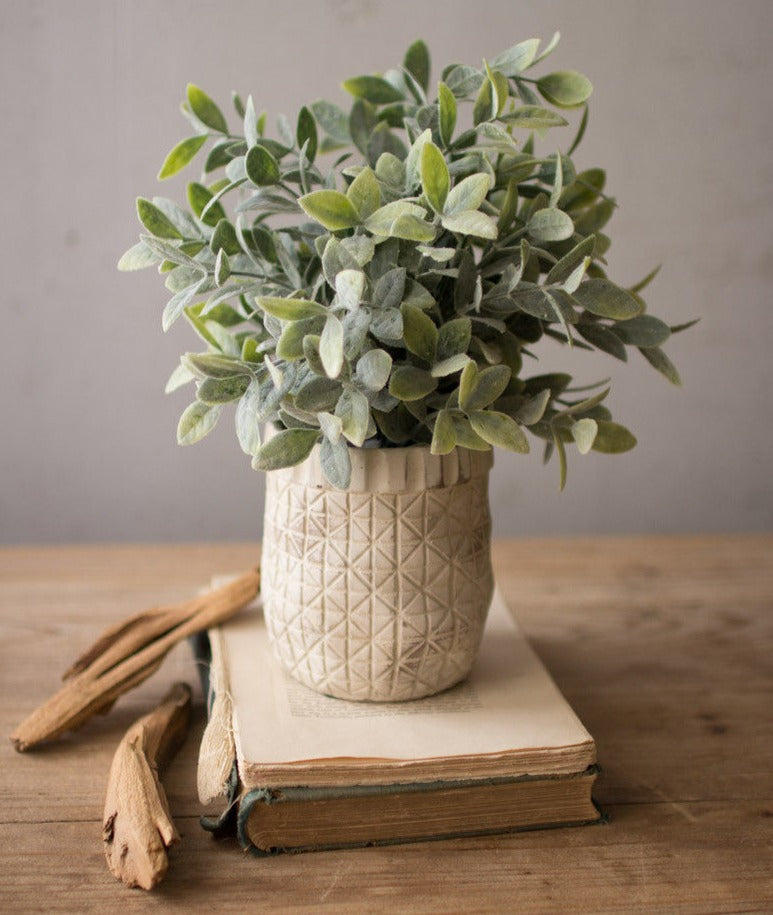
point(138, 257)
point(285, 449)
point(350, 287)
point(534, 117)
point(197, 420)
point(468, 194)
point(354, 411)
point(449, 365)
point(471, 222)
point(412, 228)
point(435, 180)
point(603, 298)
point(443, 435)
point(335, 462)
point(644, 331)
point(612, 438)
point(381, 222)
point(517, 58)
point(290, 309)
point(247, 426)
point(584, 433)
point(500, 430)
point(373, 89)
point(180, 376)
point(364, 193)
point(331, 347)
point(222, 390)
point(332, 209)
point(453, 337)
point(550, 224)
point(333, 120)
point(373, 369)
point(330, 425)
point(565, 88)
point(481, 388)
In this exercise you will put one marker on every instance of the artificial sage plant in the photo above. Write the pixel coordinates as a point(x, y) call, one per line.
point(384, 275)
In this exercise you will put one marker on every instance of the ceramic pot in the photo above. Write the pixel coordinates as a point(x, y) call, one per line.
point(379, 592)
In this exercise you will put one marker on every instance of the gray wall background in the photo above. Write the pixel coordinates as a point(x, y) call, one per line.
point(680, 118)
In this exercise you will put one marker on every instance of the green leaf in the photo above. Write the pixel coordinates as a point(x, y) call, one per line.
point(612, 438)
point(449, 365)
point(443, 435)
point(373, 89)
point(409, 383)
point(479, 389)
point(561, 271)
point(199, 198)
point(306, 132)
point(222, 267)
point(435, 180)
point(561, 452)
point(354, 411)
point(644, 331)
point(335, 462)
point(419, 333)
point(262, 168)
point(179, 377)
point(468, 194)
point(285, 449)
point(225, 237)
point(604, 298)
point(332, 209)
point(318, 394)
point(290, 309)
point(181, 155)
point(517, 58)
point(364, 193)
point(534, 409)
point(331, 347)
point(453, 337)
point(466, 436)
point(584, 433)
point(534, 117)
point(417, 63)
point(205, 109)
point(373, 369)
point(155, 221)
point(565, 88)
point(550, 224)
point(483, 110)
point(198, 420)
point(642, 284)
point(471, 222)
point(446, 113)
point(222, 390)
point(412, 228)
point(333, 120)
point(138, 257)
point(499, 429)
point(290, 344)
point(381, 222)
point(660, 361)
point(247, 426)
point(213, 365)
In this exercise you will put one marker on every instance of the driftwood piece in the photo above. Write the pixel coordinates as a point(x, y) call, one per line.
point(137, 827)
point(127, 654)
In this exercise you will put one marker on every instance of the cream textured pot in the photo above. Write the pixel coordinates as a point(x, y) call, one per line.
point(380, 591)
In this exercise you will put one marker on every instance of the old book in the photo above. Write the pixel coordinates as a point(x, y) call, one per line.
point(500, 752)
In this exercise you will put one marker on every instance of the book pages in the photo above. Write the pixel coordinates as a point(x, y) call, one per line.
point(508, 719)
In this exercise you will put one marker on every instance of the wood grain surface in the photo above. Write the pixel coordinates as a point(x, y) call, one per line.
point(664, 646)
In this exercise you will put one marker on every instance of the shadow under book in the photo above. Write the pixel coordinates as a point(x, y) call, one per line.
point(501, 752)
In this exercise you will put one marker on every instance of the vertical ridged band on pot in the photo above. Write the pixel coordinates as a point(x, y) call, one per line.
point(380, 591)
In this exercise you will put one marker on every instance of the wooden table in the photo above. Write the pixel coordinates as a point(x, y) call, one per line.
point(664, 646)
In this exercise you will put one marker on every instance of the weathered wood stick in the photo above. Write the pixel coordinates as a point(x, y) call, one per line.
point(137, 826)
point(126, 655)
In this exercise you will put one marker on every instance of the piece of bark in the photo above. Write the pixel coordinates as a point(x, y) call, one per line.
point(137, 826)
point(127, 654)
